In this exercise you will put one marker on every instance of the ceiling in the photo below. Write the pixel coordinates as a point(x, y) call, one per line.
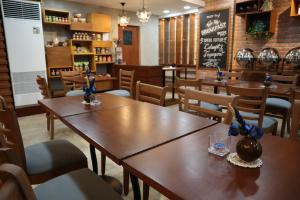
point(156, 6)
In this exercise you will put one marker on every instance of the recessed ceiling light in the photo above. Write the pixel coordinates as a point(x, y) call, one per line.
point(186, 7)
point(166, 11)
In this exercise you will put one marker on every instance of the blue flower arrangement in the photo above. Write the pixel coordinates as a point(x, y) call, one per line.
point(89, 89)
point(243, 128)
point(268, 80)
point(220, 74)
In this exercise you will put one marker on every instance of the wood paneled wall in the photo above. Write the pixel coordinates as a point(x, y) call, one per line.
point(5, 84)
point(178, 40)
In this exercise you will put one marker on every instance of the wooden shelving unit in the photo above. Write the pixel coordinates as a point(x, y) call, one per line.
point(295, 8)
point(251, 10)
point(56, 17)
point(268, 18)
point(248, 7)
point(81, 52)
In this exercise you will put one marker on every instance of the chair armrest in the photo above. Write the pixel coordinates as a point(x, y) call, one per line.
point(295, 119)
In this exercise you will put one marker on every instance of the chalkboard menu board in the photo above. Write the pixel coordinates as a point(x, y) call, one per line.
point(213, 38)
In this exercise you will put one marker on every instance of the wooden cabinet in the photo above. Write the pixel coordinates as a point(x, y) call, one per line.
point(100, 22)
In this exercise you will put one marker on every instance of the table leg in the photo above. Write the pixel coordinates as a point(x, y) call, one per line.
point(51, 126)
point(103, 163)
point(94, 159)
point(135, 187)
point(216, 89)
point(185, 73)
point(145, 191)
point(164, 78)
point(125, 181)
point(173, 82)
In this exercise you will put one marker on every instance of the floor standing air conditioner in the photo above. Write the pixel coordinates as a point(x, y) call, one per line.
point(25, 47)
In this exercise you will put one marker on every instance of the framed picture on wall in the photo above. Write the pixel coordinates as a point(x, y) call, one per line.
point(127, 35)
point(214, 39)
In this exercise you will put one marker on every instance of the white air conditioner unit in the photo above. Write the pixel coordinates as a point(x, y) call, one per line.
point(25, 47)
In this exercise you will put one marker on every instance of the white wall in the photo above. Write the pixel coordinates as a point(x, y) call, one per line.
point(149, 40)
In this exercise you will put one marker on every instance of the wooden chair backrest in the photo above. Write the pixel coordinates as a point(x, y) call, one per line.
point(224, 100)
point(14, 183)
point(43, 87)
point(290, 81)
point(233, 75)
point(252, 100)
point(9, 127)
point(126, 80)
point(3, 105)
point(151, 93)
point(69, 85)
point(182, 84)
point(253, 76)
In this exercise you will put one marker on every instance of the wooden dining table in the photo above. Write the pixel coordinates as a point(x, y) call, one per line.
point(184, 169)
point(121, 127)
point(275, 89)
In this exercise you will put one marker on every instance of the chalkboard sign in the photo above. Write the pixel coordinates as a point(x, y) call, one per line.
point(213, 38)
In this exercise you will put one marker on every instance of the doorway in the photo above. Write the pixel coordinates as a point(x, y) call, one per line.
point(130, 37)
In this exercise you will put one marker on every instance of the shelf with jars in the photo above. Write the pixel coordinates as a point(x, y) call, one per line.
point(57, 17)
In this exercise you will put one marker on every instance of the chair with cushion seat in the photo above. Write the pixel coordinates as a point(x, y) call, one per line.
point(182, 84)
point(251, 104)
point(81, 184)
point(41, 161)
point(71, 88)
point(224, 100)
point(125, 84)
point(280, 106)
point(151, 93)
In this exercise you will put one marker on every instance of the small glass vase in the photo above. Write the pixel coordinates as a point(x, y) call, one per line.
point(248, 149)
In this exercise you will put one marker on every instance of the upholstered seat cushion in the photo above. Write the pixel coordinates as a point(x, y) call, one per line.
point(278, 103)
point(53, 155)
point(81, 184)
point(72, 93)
point(210, 106)
point(122, 93)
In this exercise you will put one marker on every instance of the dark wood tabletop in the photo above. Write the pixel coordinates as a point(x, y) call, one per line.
point(274, 89)
point(183, 169)
point(82, 80)
point(67, 106)
point(128, 130)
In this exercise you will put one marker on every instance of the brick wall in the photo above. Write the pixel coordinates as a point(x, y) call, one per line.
point(286, 37)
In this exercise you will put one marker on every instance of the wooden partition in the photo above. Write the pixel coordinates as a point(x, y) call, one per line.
point(146, 74)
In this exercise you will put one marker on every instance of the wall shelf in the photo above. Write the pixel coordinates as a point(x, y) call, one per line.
point(268, 19)
point(56, 17)
point(248, 7)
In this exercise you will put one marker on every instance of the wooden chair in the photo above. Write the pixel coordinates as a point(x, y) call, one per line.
point(280, 106)
point(151, 93)
point(41, 161)
point(224, 100)
point(125, 84)
point(43, 87)
point(253, 76)
point(71, 88)
point(251, 104)
point(182, 84)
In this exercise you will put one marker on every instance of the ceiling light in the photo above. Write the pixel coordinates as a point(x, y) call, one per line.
point(166, 11)
point(143, 14)
point(123, 18)
point(186, 7)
